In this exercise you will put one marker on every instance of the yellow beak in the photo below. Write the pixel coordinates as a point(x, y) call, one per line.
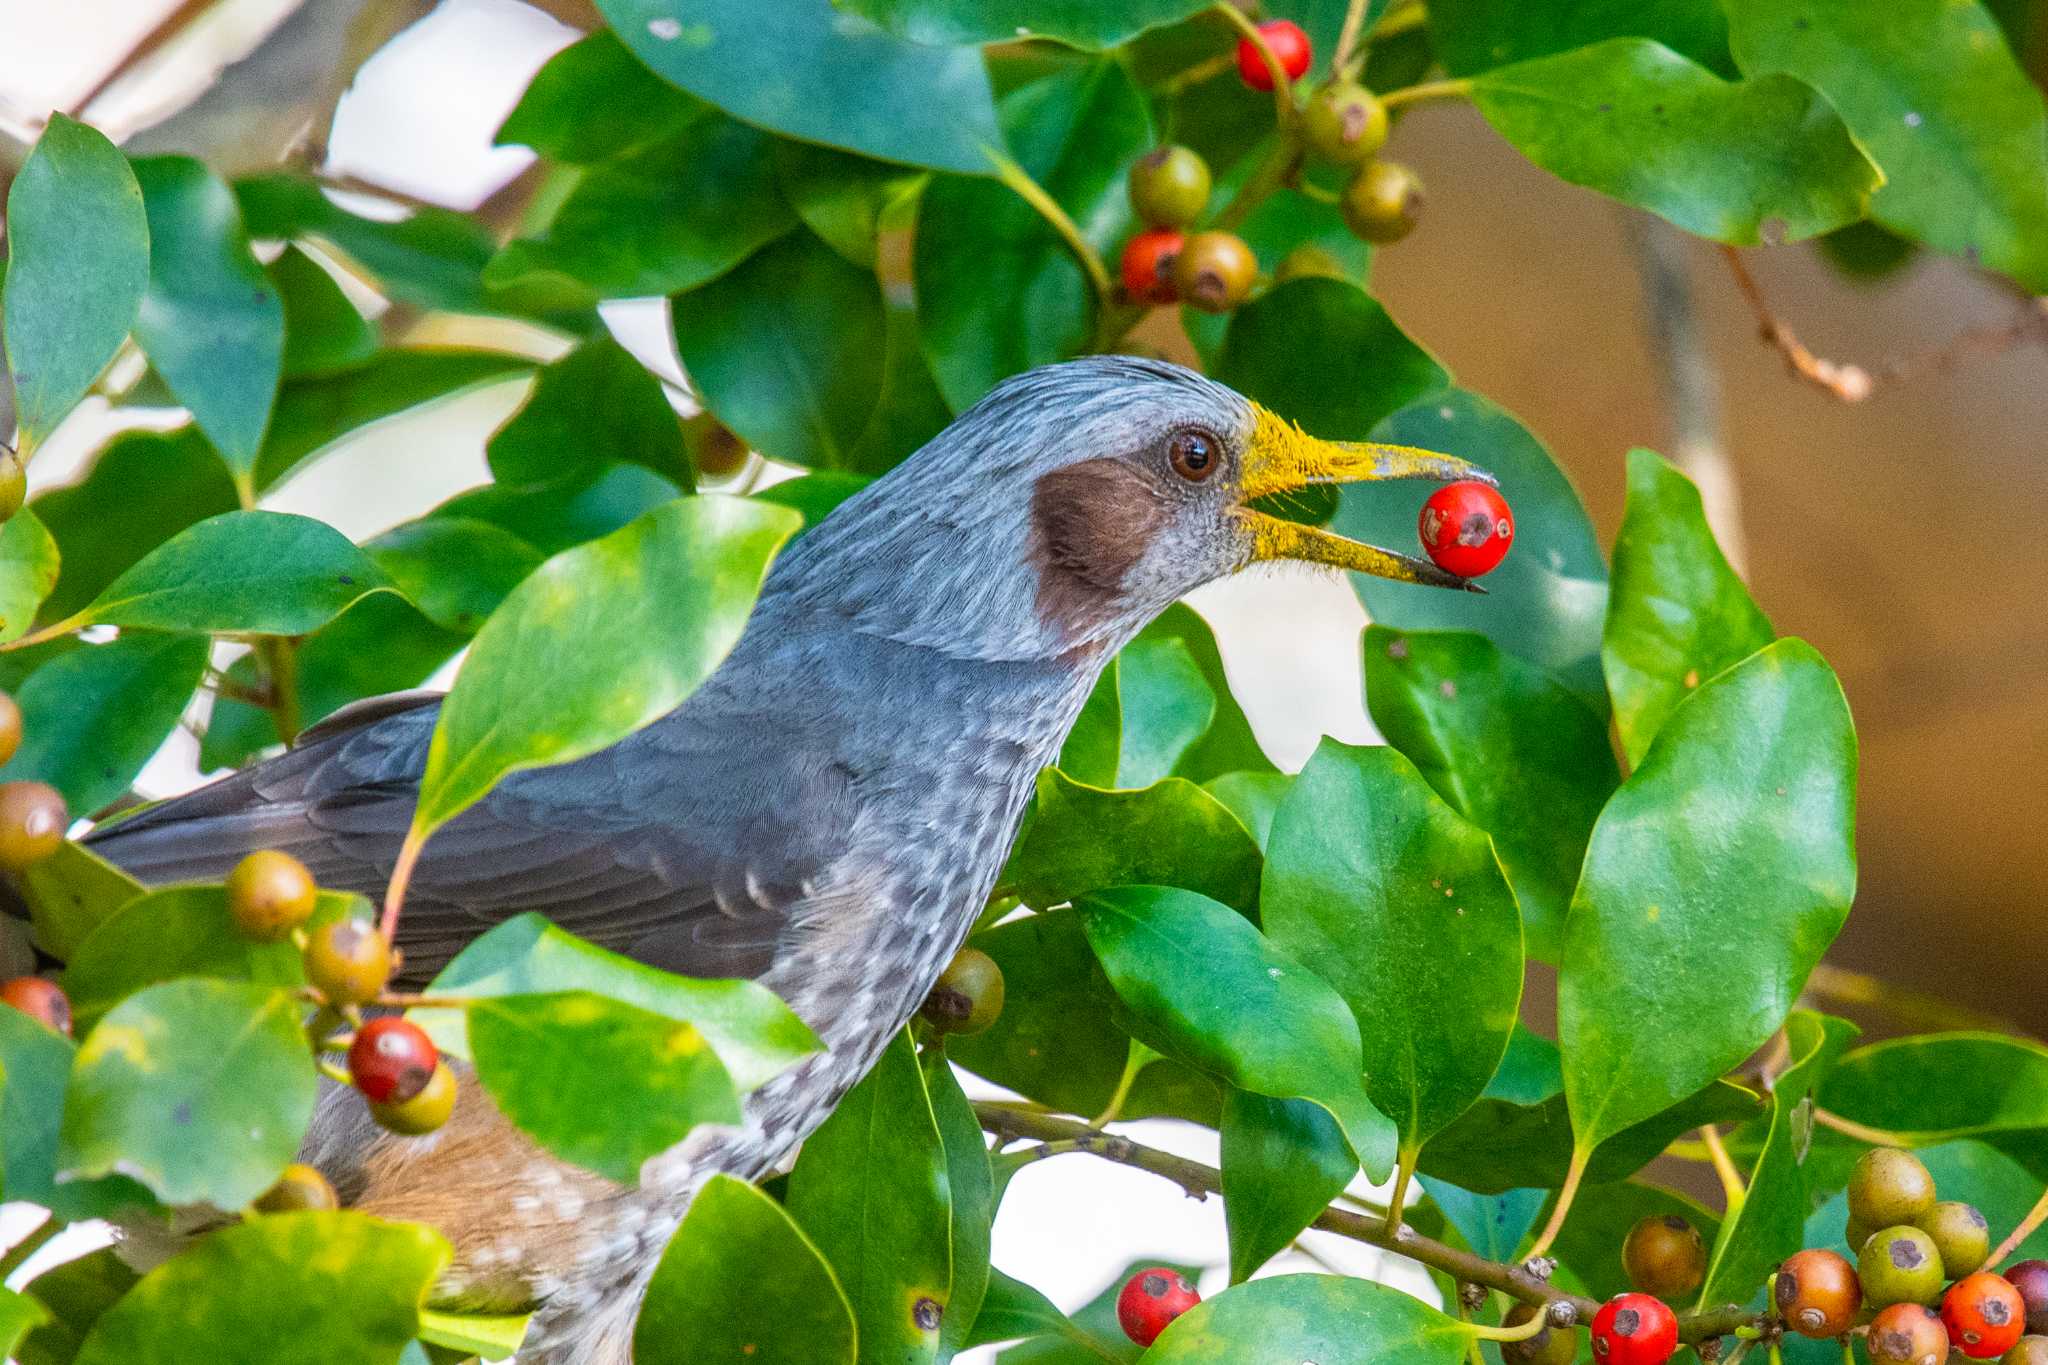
point(1282, 458)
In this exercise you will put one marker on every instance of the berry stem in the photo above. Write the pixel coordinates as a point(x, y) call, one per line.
point(1283, 87)
point(2035, 1217)
point(1570, 1191)
point(401, 877)
point(1732, 1187)
point(1519, 1332)
point(1135, 1060)
point(331, 1071)
point(1031, 192)
point(1347, 37)
point(1862, 1132)
point(1428, 90)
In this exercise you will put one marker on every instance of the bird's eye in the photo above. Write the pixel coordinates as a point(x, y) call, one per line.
point(1192, 454)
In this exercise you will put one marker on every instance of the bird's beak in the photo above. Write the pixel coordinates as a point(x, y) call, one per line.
point(1282, 458)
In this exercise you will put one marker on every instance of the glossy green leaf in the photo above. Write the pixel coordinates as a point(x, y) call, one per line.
point(1202, 985)
point(1737, 829)
point(1228, 746)
point(909, 409)
point(1254, 798)
point(1283, 1162)
point(19, 1315)
point(1508, 746)
point(70, 893)
point(494, 1337)
point(1169, 834)
point(1591, 1240)
point(198, 1089)
point(1014, 1309)
point(1164, 705)
point(1477, 35)
point(323, 331)
point(1331, 1319)
point(810, 71)
point(432, 259)
point(741, 1281)
point(1491, 1224)
point(1944, 1086)
point(455, 570)
point(1771, 1222)
point(755, 1035)
point(971, 1187)
point(845, 199)
point(29, 563)
point(1933, 91)
point(594, 100)
point(548, 680)
point(283, 1289)
point(211, 322)
point(1360, 369)
point(813, 496)
point(998, 292)
point(1397, 901)
point(560, 516)
point(788, 351)
point(1078, 23)
point(870, 1188)
point(92, 718)
point(1544, 603)
point(660, 220)
point(76, 1293)
point(77, 263)
point(37, 1065)
point(1090, 1336)
point(1678, 614)
point(1285, 220)
point(595, 405)
point(248, 572)
point(596, 1081)
point(1632, 119)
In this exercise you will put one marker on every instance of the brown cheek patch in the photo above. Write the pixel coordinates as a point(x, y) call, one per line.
point(1091, 523)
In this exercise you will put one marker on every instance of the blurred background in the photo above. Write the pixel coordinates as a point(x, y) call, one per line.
point(1903, 535)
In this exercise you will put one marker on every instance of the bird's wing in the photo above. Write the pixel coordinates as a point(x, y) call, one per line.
point(614, 847)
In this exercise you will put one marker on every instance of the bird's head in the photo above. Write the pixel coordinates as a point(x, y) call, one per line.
point(1077, 501)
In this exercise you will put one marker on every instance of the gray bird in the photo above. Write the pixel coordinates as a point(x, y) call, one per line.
point(826, 814)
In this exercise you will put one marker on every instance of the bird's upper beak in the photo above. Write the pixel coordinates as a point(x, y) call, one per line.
point(1282, 458)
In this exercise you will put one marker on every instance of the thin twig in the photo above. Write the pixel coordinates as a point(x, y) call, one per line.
point(1732, 1188)
point(1862, 1132)
point(1347, 37)
point(167, 29)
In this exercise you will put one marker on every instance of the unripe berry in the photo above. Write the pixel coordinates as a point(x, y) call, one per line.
point(424, 1112)
point(1147, 266)
point(1344, 123)
point(1908, 1334)
point(1960, 1234)
point(1984, 1315)
point(1169, 187)
point(2031, 1279)
point(1215, 271)
point(1466, 527)
point(1900, 1265)
point(1818, 1294)
point(299, 1188)
point(1382, 202)
point(1664, 1255)
point(1889, 1187)
point(13, 482)
point(1551, 1346)
point(1150, 1300)
point(391, 1059)
point(10, 727)
point(32, 823)
point(968, 996)
point(40, 999)
point(347, 961)
point(1634, 1329)
point(270, 894)
point(1290, 46)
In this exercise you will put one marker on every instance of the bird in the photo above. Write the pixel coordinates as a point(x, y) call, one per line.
point(826, 814)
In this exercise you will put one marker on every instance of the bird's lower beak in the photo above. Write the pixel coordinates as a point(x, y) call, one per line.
point(1282, 458)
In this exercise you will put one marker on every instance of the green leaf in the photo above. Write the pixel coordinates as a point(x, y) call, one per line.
point(1477, 35)
point(1014, 1309)
point(1289, 1319)
point(1397, 901)
point(755, 1035)
point(199, 1089)
point(1632, 119)
point(283, 1289)
point(662, 219)
point(1228, 745)
point(1545, 602)
point(1254, 798)
point(1091, 1336)
point(1283, 1162)
point(19, 1315)
point(1597, 1227)
point(1172, 833)
point(814, 496)
point(908, 410)
point(560, 516)
point(998, 292)
point(492, 1337)
point(971, 1185)
point(741, 1281)
point(248, 572)
point(811, 72)
point(1491, 1224)
point(77, 263)
point(1677, 614)
point(28, 571)
point(845, 199)
point(92, 718)
point(787, 350)
point(76, 1293)
point(1359, 370)
point(211, 322)
point(70, 893)
point(595, 405)
point(1770, 1224)
point(1738, 827)
point(1943, 1086)
point(554, 1063)
point(1164, 705)
point(455, 570)
point(595, 100)
point(548, 680)
point(323, 331)
point(870, 1188)
point(1508, 746)
point(1933, 91)
point(37, 1065)
point(1202, 985)
point(1078, 23)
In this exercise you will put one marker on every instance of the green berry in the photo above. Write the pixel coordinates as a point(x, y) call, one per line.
point(13, 482)
point(2029, 1351)
point(270, 894)
point(1960, 1234)
point(1215, 271)
point(1664, 1255)
point(300, 1187)
point(425, 1111)
point(348, 961)
point(1382, 202)
point(1344, 123)
point(1900, 1265)
point(1170, 187)
point(1889, 1187)
point(968, 996)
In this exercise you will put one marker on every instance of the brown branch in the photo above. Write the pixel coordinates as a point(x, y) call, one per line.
point(166, 30)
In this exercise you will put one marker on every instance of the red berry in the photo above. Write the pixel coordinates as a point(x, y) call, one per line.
point(1289, 44)
point(1984, 1314)
point(1150, 1300)
point(1466, 528)
point(1148, 265)
point(1634, 1329)
point(40, 999)
point(391, 1060)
